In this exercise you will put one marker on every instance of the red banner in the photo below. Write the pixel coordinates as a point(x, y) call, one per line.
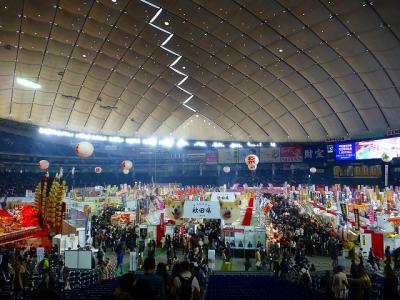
point(292, 154)
point(211, 158)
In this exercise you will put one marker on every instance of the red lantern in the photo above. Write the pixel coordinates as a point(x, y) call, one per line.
point(251, 159)
point(127, 164)
point(43, 165)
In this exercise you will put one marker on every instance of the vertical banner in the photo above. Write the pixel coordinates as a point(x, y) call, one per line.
point(356, 219)
point(386, 175)
point(371, 216)
point(343, 207)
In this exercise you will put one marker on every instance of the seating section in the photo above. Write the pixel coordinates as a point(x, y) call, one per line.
point(240, 287)
point(82, 278)
point(95, 291)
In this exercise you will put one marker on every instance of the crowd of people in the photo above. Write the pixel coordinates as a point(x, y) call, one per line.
point(186, 281)
point(24, 268)
point(296, 236)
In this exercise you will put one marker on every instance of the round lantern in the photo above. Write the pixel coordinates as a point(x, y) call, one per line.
point(127, 164)
point(226, 169)
point(251, 159)
point(98, 170)
point(84, 149)
point(252, 167)
point(43, 164)
point(313, 170)
point(386, 157)
point(125, 171)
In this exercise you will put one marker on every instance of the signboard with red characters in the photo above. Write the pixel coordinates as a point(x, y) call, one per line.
point(292, 154)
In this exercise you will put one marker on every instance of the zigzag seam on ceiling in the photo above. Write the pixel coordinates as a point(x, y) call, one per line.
point(171, 66)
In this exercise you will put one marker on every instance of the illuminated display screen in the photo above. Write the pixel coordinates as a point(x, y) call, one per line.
point(375, 148)
point(345, 151)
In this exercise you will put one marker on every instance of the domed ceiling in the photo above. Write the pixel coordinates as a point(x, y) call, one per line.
point(262, 70)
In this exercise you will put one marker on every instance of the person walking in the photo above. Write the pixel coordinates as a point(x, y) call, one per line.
point(258, 259)
point(156, 282)
point(340, 284)
point(186, 286)
point(120, 260)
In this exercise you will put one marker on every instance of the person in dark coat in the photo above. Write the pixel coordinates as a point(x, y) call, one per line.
point(390, 284)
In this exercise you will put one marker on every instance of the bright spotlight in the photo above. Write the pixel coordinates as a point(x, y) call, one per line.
point(167, 142)
point(132, 141)
point(218, 145)
point(115, 139)
point(235, 145)
point(181, 143)
point(93, 137)
point(200, 144)
point(49, 131)
point(150, 141)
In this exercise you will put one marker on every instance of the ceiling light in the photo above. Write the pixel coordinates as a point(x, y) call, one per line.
point(49, 131)
point(114, 1)
point(184, 67)
point(84, 136)
point(132, 141)
point(150, 142)
point(167, 142)
point(182, 143)
point(28, 83)
point(115, 139)
point(200, 144)
point(235, 145)
point(280, 50)
point(272, 144)
point(166, 23)
point(218, 145)
point(84, 55)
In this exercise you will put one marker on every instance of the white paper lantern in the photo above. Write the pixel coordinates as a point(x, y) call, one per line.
point(226, 169)
point(125, 171)
point(43, 164)
point(127, 164)
point(98, 170)
point(386, 157)
point(84, 149)
point(251, 159)
point(313, 170)
point(252, 167)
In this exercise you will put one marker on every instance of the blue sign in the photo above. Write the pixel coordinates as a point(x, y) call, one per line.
point(315, 153)
point(345, 151)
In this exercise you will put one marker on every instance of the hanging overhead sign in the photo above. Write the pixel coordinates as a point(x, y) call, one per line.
point(201, 209)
